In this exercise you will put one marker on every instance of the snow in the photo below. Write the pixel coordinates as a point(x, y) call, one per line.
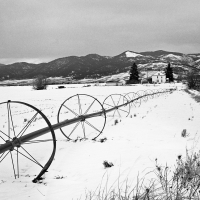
point(132, 54)
point(197, 61)
point(173, 57)
point(151, 131)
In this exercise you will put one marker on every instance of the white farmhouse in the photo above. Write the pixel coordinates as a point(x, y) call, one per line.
point(159, 77)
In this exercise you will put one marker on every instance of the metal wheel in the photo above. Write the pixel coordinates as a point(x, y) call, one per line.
point(81, 106)
point(131, 96)
point(157, 93)
point(116, 105)
point(21, 155)
point(150, 94)
point(143, 95)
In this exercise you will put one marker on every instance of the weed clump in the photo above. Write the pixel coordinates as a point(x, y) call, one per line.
point(103, 140)
point(181, 182)
point(116, 122)
point(184, 133)
point(107, 164)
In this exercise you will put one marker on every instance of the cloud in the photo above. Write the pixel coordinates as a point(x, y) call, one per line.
point(58, 28)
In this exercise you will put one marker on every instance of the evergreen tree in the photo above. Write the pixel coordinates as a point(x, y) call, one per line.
point(192, 80)
point(134, 75)
point(169, 73)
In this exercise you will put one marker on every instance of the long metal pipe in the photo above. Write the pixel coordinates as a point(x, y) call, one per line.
point(9, 145)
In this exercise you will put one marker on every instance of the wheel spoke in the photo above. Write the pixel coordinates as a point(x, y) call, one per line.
point(8, 120)
point(74, 128)
point(114, 112)
point(38, 141)
point(18, 162)
point(13, 164)
point(83, 127)
point(113, 101)
point(119, 100)
point(123, 110)
point(71, 111)
point(10, 114)
point(27, 125)
point(32, 158)
point(79, 103)
point(92, 126)
point(4, 156)
point(109, 105)
point(2, 137)
point(118, 112)
point(89, 107)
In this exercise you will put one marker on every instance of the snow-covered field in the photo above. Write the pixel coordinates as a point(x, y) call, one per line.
point(151, 131)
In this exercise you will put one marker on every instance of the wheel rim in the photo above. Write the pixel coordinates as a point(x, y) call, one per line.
point(80, 105)
point(143, 95)
point(113, 101)
point(150, 94)
point(131, 96)
point(18, 119)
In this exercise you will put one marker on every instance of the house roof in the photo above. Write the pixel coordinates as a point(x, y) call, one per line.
point(149, 74)
point(159, 74)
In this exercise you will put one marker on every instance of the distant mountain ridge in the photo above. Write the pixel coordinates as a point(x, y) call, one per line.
point(96, 66)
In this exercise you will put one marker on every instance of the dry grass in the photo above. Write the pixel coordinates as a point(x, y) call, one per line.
point(183, 182)
point(195, 97)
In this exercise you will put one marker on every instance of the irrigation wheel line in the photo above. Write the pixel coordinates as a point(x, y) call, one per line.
point(18, 119)
point(81, 106)
point(142, 94)
point(116, 105)
point(150, 93)
point(134, 99)
point(22, 123)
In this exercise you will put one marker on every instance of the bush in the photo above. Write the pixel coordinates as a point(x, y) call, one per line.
point(61, 87)
point(184, 133)
point(107, 164)
point(192, 80)
point(40, 83)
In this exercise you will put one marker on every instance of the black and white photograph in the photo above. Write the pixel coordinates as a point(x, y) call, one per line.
point(99, 100)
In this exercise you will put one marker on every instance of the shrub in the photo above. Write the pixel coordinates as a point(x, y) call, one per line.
point(107, 164)
point(116, 122)
point(184, 133)
point(61, 87)
point(40, 83)
point(192, 80)
point(103, 140)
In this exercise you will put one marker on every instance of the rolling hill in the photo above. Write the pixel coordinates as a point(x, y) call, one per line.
point(96, 66)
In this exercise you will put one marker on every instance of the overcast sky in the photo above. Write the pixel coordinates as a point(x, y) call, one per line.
point(42, 30)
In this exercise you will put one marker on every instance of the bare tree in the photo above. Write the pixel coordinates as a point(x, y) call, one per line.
point(40, 83)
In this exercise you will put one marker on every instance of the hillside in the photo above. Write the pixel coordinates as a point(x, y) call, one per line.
point(96, 66)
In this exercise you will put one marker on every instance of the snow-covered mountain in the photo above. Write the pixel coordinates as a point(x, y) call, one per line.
point(96, 66)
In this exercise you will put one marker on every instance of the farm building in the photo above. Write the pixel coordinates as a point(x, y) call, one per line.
point(159, 77)
point(153, 77)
